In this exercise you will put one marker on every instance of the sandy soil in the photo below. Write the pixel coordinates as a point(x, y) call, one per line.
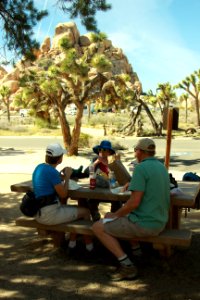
point(32, 269)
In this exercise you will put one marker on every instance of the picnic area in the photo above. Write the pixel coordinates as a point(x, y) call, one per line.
point(33, 269)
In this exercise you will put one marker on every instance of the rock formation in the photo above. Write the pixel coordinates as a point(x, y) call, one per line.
point(52, 50)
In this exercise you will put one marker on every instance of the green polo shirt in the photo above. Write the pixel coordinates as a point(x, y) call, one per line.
point(151, 177)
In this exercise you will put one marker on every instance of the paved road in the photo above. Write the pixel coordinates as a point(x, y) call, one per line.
point(185, 152)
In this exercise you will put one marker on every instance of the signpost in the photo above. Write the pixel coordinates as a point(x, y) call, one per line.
point(169, 136)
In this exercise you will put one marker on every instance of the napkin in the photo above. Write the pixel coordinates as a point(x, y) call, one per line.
point(119, 190)
point(73, 185)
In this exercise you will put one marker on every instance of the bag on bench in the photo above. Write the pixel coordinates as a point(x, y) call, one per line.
point(30, 205)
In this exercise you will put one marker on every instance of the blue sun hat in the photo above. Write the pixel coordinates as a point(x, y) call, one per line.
point(104, 145)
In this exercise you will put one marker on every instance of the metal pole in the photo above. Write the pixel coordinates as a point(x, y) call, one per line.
point(169, 136)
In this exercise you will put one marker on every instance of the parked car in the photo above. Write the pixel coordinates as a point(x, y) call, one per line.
point(71, 111)
point(23, 112)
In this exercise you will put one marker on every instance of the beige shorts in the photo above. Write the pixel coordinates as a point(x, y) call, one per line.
point(57, 214)
point(123, 228)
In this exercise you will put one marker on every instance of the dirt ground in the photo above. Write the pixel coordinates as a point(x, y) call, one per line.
point(32, 269)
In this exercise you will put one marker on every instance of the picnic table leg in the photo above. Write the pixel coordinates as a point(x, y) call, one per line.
point(176, 217)
point(58, 238)
point(164, 250)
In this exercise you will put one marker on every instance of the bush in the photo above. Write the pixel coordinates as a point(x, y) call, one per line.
point(45, 124)
point(84, 140)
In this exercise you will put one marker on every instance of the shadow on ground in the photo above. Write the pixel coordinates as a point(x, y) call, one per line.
point(10, 152)
point(32, 269)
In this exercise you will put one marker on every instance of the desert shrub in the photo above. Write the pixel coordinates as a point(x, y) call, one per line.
point(84, 140)
point(40, 123)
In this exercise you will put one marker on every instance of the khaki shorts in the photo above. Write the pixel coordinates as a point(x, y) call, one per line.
point(57, 214)
point(123, 228)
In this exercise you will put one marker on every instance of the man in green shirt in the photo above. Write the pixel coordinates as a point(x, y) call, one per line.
point(144, 214)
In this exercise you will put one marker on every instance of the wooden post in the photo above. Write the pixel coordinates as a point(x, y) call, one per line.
point(169, 136)
point(104, 130)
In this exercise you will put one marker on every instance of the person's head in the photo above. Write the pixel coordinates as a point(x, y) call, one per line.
point(104, 148)
point(54, 154)
point(144, 148)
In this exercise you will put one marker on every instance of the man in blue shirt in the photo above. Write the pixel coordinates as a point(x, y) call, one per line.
point(52, 186)
point(144, 214)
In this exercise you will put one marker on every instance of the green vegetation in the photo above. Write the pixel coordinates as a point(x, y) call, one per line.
point(19, 17)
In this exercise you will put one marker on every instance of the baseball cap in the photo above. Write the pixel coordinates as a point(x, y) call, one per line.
point(146, 144)
point(54, 150)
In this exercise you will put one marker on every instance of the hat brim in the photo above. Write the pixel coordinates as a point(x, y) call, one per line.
point(96, 149)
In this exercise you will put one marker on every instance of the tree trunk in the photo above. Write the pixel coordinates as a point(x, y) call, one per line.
point(8, 110)
point(73, 148)
point(155, 125)
point(65, 128)
point(197, 110)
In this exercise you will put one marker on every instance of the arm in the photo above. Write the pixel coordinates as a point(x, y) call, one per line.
point(130, 205)
point(62, 188)
point(100, 159)
point(125, 187)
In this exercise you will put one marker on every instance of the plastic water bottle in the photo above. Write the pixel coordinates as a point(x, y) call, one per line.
point(112, 180)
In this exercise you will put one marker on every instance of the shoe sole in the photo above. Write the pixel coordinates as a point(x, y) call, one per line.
point(124, 278)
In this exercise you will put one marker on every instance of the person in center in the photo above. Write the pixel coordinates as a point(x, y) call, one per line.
point(144, 214)
point(101, 166)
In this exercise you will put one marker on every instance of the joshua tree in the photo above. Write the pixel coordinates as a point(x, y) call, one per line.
point(5, 93)
point(191, 85)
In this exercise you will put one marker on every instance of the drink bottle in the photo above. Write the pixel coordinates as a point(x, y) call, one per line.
point(92, 177)
point(112, 179)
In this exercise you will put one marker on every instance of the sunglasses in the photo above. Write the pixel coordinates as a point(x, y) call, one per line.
point(103, 150)
point(135, 149)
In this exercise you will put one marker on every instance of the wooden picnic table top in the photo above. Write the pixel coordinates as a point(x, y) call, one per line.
point(187, 198)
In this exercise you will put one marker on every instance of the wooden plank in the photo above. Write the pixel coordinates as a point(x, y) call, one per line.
point(175, 237)
point(79, 226)
point(186, 199)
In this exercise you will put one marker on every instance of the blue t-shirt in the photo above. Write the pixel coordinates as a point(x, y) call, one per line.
point(151, 177)
point(44, 178)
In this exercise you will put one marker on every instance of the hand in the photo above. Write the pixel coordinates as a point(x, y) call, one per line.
point(125, 187)
point(102, 160)
point(110, 215)
point(67, 171)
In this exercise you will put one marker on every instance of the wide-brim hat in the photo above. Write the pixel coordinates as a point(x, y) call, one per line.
point(104, 145)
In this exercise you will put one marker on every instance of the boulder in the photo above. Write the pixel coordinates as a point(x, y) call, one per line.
point(13, 85)
point(3, 72)
point(46, 45)
point(65, 30)
point(84, 41)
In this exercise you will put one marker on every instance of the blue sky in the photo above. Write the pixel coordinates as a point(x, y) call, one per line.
point(159, 37)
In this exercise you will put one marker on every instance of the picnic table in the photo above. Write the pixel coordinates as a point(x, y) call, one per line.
point(186, 199)
point(170, 237)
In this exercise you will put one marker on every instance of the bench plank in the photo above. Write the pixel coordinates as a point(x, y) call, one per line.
point(169, 237)
point(79, 226)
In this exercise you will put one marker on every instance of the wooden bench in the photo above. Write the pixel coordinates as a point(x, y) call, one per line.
point(163, 242)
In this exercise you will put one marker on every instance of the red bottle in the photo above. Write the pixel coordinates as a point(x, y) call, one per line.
point(92, 177)
point(92, 182)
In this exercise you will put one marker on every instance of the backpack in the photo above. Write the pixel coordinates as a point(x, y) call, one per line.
point(173, 182)
point(190, 176)
point(29, 205)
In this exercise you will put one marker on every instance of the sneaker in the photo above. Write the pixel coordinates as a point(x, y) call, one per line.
point(137, 252)
point(124, 272)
